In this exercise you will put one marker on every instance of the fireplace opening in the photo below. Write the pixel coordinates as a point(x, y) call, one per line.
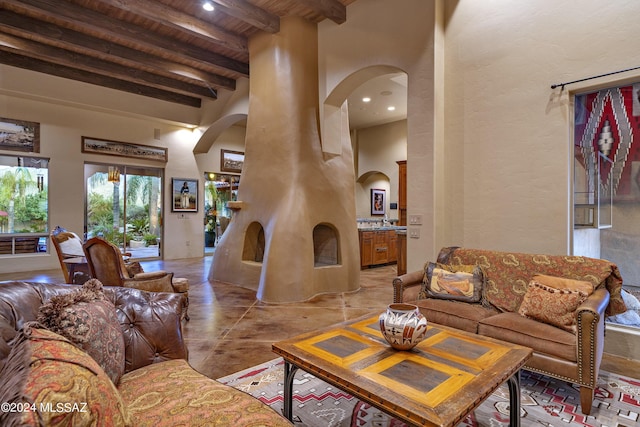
point(254, 245)
point(325, 246)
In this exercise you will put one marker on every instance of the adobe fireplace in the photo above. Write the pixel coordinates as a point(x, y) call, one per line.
point(293, 234)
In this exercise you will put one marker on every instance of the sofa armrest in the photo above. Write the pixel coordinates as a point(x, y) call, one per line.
point(596, 303)
point(590, 334)
point(402, 286)
point(151, 324)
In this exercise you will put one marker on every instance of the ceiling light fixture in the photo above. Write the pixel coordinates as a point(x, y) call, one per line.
point(391, 108)
point(366, 99)
point(114, 175)
point(208, 6)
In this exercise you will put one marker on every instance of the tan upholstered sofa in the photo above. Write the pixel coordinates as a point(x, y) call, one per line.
point(55, 378)
point(512, 308)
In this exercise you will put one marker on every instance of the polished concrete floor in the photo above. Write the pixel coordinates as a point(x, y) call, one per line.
point(230, 330)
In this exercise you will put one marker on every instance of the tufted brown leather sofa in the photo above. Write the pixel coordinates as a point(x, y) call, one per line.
point(147, 340)
point(155, 358)
point(573, 357)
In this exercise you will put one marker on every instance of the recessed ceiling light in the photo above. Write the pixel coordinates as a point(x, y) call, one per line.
point(208, 6)
point(366, 99)
point(386, 93)
point(391, 108)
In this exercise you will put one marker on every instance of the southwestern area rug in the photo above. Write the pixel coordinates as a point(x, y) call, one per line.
point(545, 401)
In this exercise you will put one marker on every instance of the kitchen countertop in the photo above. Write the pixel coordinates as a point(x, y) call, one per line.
point(383, 228)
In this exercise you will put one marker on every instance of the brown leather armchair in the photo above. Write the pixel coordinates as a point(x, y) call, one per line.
point(107, 265)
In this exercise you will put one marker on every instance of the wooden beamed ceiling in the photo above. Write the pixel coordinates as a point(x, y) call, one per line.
point(171, 50)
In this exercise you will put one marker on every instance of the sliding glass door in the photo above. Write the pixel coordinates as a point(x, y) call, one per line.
point(123, 204)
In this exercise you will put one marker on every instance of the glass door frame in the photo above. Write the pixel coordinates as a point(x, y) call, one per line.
point(125, 171)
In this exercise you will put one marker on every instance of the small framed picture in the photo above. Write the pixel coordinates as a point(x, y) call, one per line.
point(184, 195)
point(377, 201)
point(19, 135)
point(231, 161)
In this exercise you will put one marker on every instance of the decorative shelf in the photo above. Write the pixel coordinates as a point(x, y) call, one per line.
point(235, 205)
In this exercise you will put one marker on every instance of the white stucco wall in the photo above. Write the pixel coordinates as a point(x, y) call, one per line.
point(505, 125)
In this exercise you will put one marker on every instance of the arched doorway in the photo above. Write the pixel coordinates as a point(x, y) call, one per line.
point(376, 101)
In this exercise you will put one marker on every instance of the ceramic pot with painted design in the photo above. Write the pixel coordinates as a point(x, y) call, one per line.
point(403, 326)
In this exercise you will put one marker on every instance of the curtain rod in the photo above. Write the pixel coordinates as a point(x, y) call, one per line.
point(562, 85)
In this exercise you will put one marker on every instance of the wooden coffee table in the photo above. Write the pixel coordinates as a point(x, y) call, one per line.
point(437, 383)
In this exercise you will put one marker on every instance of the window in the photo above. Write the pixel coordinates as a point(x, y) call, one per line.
point(24, 204)
point(607, 184)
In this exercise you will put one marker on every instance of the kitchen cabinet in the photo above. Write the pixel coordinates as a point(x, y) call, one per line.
point(366, 248)
point(378, 247)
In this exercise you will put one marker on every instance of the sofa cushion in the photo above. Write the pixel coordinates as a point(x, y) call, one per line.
point(173, 387)
point(555, 307)
point(564, 283)
point(62, 384)
point(455, 314)
point(88, 320)
point(542, 338)
point(459, 282)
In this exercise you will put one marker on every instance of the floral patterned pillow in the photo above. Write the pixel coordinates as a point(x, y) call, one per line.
point(56, 383)
point(88, 320)
point(452, 282)
point(555, 307)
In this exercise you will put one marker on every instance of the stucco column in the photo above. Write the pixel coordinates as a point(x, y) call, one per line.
point(294, 235)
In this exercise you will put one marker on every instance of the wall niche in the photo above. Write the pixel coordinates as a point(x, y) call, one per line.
point(325, 246)
point(254, 243)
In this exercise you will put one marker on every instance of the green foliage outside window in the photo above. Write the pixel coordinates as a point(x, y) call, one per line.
point(23, 195)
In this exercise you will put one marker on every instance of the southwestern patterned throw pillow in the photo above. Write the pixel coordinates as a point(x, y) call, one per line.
point(453, 282)
point(555, 307)
point(88, 319)
point(46, 380)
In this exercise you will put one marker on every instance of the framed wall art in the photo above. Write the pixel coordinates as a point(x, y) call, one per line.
point(377, 201)
point(19, 135)
point(123, 149)
point(184, 195)
point(231, 161)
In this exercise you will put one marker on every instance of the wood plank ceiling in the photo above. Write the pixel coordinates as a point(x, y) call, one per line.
point(172, 50)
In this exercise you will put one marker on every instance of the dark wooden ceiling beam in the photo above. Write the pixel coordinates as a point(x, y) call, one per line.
point(28, 63)
point(331, 9)
point(245, 11)
point(52, 35)
point(173, 18)
point(70, 59)
point(88, 21)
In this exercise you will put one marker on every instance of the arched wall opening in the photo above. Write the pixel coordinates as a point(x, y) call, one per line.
point(219, 186)
point(213, 132)
point(372, 180)
point(378, 132)
point(335, 110)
